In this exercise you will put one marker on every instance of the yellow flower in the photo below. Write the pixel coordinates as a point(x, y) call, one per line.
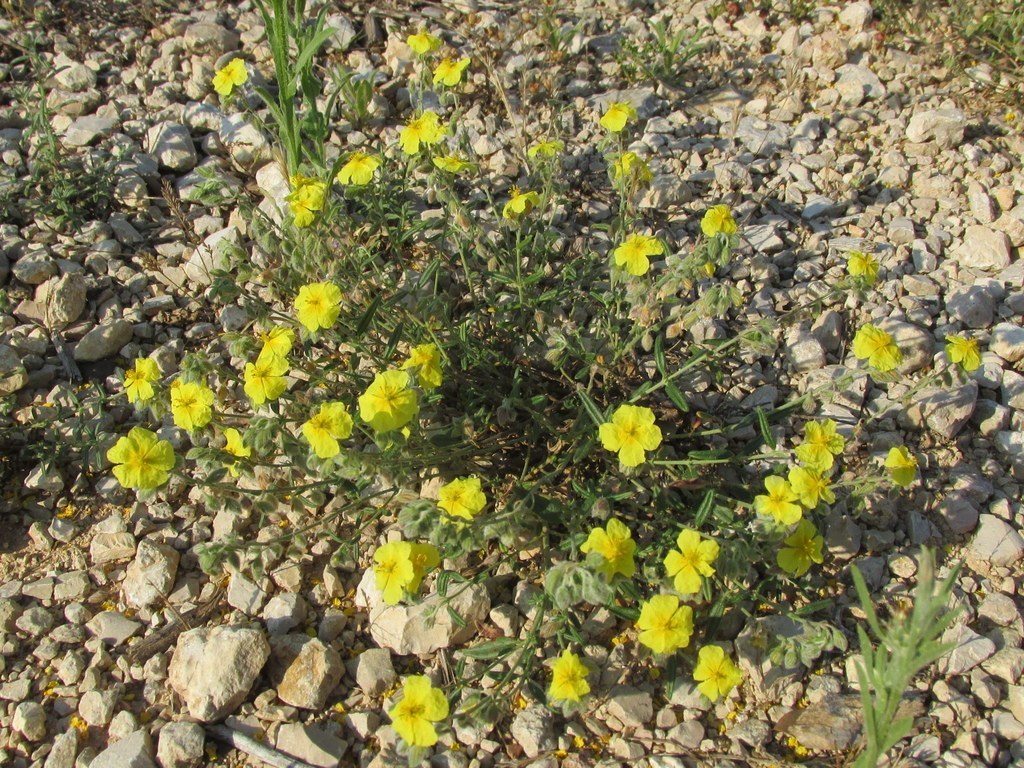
point(717, 219)
point(568, 678)
point(277, 342)
point(665, 625)
point(548, 148)
point(138, 382)
point(617, 116)
point(141, 460)
point(462, 498)
point(423, 42)
point(359, 169)
point(615, 545)
point(329, 425)
point(425, 129)
point(715, 673)
point(778, 503)
point(393, 569)
point(803, 547)
point(318, 305)
point(633, 254)
point(877, 347)
point(691, 561)
point(264, 379)
point(191, 405)
point(520, 204)
point(449, 72)
point(451, 164)
point(902, 466)
point(631, 432)
point(234, 445)
point(230, 75)
point(963, 352)
point(811, 487)
point(388, 402)
point(420, 707)
point(427, 359)
point(307, 197)
point(424, 557)
point(631, 168)
point(821, 444)
point(864, 265)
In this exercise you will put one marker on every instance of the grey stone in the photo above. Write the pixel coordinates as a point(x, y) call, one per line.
point(311, 744)
point(764, 678)
point(804, 350)
point(83, 131)
point(762, 138)
point(533, 729)
point(687, 734)
point(916, 344)
point(112, 627)
point(946, 412)
point(856, 16)
point(180, 745)
point(1007, 341)
point(213, 668)
point(35, 621)
point(72, 75)
point(284, 612)
point(665, 191)
point(35, 267)
point(64, 751)
point(969, 650)
point(630, 706)
point(973, 306)
point(63, 299)
point(133, 751)
point(103, 341)
point(245, 595)
point(1011, 390)
point(995, 543)
point(171, 144)
point(426, 626)
point(97, 707)
point(215, 253)
point(983, 248)
point(150, 576)
point(830, 725)
point(304, 670)
point(959, 513)
point(30, 720)
point(374, 671)
point(209, 39)
point(945, 126)
point(344, 33)
point(244, 141)
point(856, 77)
point(111, 547)
point(13, 375)
point(1007, 664)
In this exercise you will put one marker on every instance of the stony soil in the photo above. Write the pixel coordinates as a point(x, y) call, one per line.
point(824, 135)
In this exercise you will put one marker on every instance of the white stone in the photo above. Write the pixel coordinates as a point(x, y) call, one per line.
point(983, 248)
point(180, 745)
point(150, 576)
point(213, 668)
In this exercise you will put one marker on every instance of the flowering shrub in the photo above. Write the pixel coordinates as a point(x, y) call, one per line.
point(501, 402)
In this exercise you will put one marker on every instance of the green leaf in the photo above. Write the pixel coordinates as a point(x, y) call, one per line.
point(766, 433)
point(707, 504)
point(368, 315)
point(676, 397)
point(456, 619)
point(590, 407)
point(393, 341)
point(491, 649)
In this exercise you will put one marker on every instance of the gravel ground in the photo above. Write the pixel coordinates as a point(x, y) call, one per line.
point(824, 136)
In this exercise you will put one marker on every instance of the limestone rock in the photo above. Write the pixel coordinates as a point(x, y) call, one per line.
point(180, 745)
point(425, 626)
point(213, 668)
point(133, 751)
point(945, 126)
point(304, 670)
point(150, 577)
point(103, 341)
